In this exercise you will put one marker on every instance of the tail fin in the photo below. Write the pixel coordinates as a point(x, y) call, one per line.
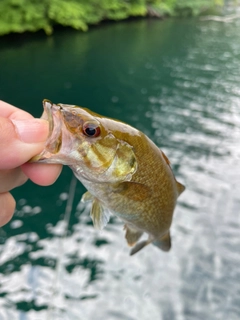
point(139, 246)
point(163, 243)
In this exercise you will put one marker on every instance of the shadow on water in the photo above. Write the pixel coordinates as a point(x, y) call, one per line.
point(178, 81)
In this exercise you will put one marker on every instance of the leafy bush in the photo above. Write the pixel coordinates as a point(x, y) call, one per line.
point(33, 15)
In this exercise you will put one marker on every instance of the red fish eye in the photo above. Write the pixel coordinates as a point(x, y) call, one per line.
point(91, 130)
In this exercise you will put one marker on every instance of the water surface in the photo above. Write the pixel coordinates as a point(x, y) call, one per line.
point(179, 82)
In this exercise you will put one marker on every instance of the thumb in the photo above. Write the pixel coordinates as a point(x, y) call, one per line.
point(20, 140)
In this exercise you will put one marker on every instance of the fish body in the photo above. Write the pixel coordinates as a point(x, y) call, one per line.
point(125, 173)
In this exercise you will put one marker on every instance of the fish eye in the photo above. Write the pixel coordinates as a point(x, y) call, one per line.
point(91, 129)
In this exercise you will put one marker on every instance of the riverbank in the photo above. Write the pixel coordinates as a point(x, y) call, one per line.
point(28, 15)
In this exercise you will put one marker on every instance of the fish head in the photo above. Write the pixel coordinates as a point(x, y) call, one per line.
point(82, 140)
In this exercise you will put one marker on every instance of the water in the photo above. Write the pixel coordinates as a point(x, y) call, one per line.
point(178, 81)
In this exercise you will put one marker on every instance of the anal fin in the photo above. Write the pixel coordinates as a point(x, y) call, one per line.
point(132, 235)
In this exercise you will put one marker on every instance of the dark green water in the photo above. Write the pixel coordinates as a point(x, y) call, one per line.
point(179, 82)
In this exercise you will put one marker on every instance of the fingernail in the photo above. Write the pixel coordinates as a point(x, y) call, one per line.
point(31, 131)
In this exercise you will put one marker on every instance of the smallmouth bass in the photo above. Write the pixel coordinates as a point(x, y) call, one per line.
point(125, 173)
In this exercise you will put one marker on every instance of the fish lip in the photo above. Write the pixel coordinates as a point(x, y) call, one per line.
point(48, 115)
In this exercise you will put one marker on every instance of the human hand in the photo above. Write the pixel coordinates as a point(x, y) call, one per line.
point(21, 138)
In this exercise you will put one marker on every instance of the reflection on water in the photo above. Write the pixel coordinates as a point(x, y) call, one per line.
point(179, 83)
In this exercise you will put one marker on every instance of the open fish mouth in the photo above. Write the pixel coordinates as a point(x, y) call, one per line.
point(52, 113)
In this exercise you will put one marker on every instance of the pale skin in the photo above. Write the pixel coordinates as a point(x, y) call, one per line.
point(21, 138)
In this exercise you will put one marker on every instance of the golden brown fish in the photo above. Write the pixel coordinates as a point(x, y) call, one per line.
point(125, 173)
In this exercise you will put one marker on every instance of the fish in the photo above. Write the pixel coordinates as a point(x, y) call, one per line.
point(124, 172)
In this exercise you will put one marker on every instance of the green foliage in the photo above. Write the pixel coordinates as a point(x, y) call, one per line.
point(23, 15)
point(33, 15)
point(68, 13)
point(189, 7)
point(161, 8)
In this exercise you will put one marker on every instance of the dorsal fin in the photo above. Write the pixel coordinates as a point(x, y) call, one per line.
point(180, 187)
point(166, 158)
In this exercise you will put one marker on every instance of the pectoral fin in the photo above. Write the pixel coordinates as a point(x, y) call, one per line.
point(132, 235)
point(99, 214)
point(87, 196)
point(163, 243)
point(134, 190)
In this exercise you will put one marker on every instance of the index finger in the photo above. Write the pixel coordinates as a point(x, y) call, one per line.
point(43, 174)
point(11, 112)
